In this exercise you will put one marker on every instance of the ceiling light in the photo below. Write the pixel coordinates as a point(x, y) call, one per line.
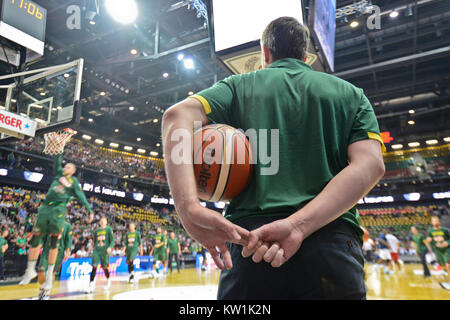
point(123, 11)
point(116, 130)
point(131, 108)
point(66, 75)
point(433, 141)
point(138, 139)
point(90, 120)
point(158, 144)
point(133, 51)
point(154, 153)
point(128, 148)
point(103, 93)
point(411, 111)
point(180, 57)
point(447, 139)
point(413, 144)
point(99, 141)
point(141, 150)
point(86, 137)
point(411, 122)
point(190, 93)
point(397, 146)
point(165, 75)
point(92, 22)
point(114, 145)
point(155, 120)
point(189, 64)
point(354, 24)
point(393, 14)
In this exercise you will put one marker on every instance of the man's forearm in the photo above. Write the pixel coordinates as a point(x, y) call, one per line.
point(340, 194)
point(180, 176)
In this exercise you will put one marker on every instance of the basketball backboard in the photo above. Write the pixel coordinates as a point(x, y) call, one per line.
point(48, 97)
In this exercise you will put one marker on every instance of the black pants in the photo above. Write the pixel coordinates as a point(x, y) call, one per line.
point(2, 269)
point(171, 256)
point(423, 260)
point(328, 265)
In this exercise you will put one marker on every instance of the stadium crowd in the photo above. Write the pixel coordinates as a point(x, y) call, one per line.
point(91, 156)
point(19, 207)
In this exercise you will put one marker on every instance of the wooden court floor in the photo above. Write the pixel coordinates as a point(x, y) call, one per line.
point(194, 284)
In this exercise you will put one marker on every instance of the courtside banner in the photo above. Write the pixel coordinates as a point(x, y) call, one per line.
point(74, 268)
point(16, 125)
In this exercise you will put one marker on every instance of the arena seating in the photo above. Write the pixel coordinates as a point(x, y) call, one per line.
point(398, 219)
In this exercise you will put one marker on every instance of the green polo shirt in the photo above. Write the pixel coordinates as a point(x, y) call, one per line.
point(420, 242)
point(318, 116)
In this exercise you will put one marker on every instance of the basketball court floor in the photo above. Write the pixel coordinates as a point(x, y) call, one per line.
point(194, 284)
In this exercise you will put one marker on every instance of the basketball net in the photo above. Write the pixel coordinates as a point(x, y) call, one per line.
point(56, 141)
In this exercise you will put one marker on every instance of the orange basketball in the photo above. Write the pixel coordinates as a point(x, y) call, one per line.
point(222, 162)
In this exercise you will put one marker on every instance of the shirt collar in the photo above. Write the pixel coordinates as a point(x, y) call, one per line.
point(289, 63)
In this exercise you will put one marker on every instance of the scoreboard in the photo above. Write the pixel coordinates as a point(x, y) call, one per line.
point(24, 22)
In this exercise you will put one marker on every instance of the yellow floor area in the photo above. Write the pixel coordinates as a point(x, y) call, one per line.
point(193, 284)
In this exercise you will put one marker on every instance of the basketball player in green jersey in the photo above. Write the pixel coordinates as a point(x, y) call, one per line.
point(133, 244)
point(103, 244)
point(64, 246)
point(51, 217)
point(439, 238)
point(159, 251)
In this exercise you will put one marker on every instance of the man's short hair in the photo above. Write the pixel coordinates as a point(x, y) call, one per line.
point(286, 37)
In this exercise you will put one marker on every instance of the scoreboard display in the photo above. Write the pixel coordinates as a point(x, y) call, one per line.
point(24, 22)
point(238, 22)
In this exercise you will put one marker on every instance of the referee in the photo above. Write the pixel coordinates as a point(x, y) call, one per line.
point(305, 239)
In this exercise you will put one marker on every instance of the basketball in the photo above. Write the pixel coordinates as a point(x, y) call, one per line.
point(222, 162)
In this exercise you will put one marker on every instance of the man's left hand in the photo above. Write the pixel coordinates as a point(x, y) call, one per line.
point(275, 242)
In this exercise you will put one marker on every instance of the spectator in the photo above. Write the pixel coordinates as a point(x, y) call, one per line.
point(3, 248)
point(82, 253)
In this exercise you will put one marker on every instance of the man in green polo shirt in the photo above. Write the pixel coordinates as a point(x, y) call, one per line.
point(173, 245)
point(51, 217)
point(302, 217)
point(439, 239)
point(422, 247)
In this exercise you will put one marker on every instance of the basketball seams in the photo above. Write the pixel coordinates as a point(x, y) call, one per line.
point(224, 170)
point(225, 173)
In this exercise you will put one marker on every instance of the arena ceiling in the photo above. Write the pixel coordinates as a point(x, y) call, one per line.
point(133, 72)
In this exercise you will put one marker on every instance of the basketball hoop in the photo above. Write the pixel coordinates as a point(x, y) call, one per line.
point(56, 141)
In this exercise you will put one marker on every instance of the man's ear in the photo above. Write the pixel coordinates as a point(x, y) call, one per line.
point(267, 55)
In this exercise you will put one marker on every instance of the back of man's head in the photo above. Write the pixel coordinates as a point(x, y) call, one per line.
point(286, 37)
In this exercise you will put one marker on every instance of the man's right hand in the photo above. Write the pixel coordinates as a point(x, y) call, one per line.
point(212, 230)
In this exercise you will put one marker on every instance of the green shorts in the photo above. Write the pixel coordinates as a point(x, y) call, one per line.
point(160, 254)
point(442, 257)
point(131, 253)
point(50, 219)
point(100, 255)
